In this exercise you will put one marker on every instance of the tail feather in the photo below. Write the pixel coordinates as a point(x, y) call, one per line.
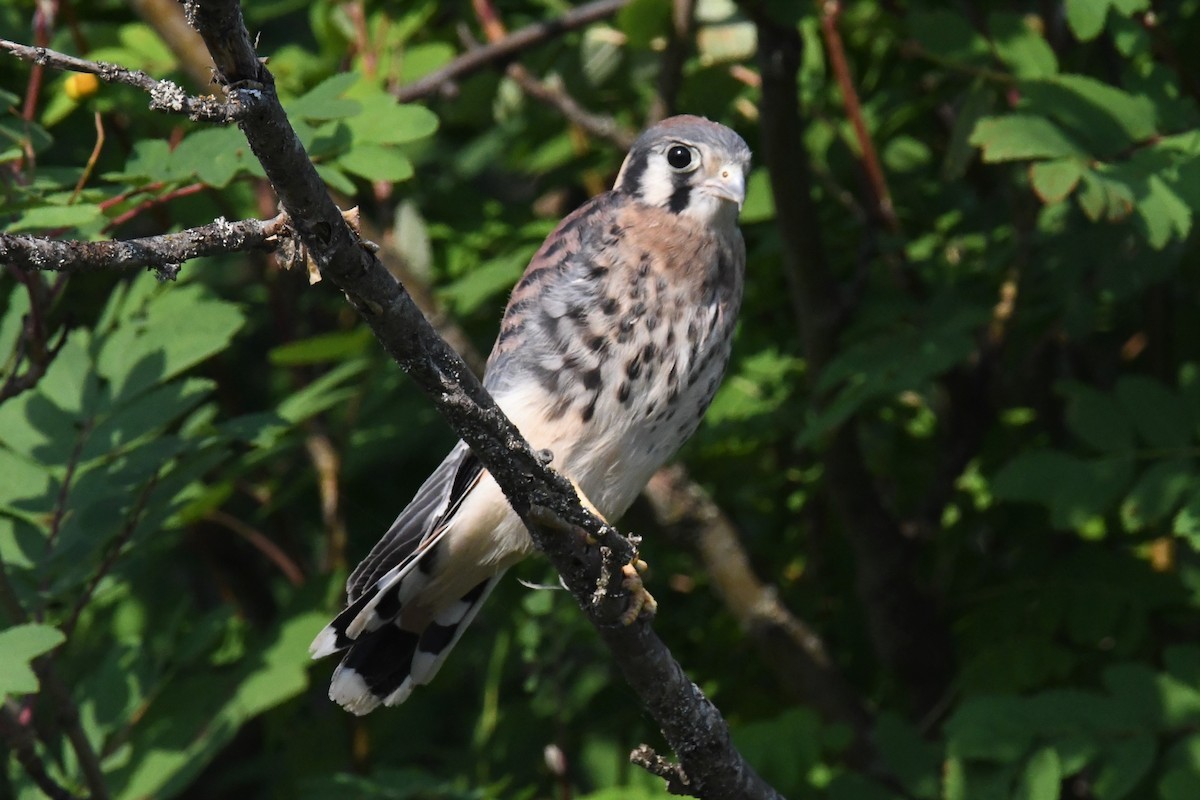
point(385, 664)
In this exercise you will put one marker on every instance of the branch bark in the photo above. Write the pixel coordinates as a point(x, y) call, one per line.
point(164, 254)
point(690, 723)
point(164, 95)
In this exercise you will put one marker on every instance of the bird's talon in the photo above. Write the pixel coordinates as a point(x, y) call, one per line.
point(640, 599)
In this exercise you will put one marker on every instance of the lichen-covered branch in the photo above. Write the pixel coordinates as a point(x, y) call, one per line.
point(164, 95)
point(164, 254)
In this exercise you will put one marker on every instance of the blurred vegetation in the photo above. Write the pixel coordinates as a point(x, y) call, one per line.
point(1006, 426)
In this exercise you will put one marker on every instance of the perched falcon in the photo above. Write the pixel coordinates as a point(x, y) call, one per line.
point(610, 350)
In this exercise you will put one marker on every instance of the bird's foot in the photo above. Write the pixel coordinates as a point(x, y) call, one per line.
point(640, 599)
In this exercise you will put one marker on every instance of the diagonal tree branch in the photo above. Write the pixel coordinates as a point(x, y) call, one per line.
point(529, 36)
point(164, 95)
point(711, 767)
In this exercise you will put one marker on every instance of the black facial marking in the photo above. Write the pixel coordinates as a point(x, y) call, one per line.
point(597, 344)
point(597, 272)
point(609, 306)
point(679, 199)
point(623, 392)
point(634, 368)
point(632, 182)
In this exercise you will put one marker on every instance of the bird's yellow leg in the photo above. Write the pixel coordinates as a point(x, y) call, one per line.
point(640, 599)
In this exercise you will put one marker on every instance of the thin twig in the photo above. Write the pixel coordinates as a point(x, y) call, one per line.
point(68, 717)
point(21, 742)
point(113, 551)
point(830, 11)
point(262, 543)
point(164, 253)
point(92, 159)
point(602, 126)
point(670, 72)
point(526, 37)
point(164, 95)
point(146, 205)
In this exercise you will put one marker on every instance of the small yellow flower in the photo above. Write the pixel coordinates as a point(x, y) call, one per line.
point(81, 85)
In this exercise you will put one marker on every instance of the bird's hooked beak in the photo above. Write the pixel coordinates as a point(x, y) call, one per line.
point(728, 184)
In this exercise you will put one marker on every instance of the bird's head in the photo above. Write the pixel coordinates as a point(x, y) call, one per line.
point(690, 166)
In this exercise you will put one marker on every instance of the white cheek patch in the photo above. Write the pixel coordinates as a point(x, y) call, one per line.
point(658, 182)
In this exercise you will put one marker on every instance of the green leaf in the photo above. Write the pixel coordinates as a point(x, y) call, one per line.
point(1041, 777)
point(1164, 213)
point(760, 204)
point(1086, 18)
point(1160, 416)
point(18, 647)
point(1104, 198)
point(487, 281)
point(1097, 418)
point(1179, 784)
point(1098, 115)
point(990, 729)
point(1156, 494)
point(385, 122)
point(1053, 181)
point(149, 349)
point(325, 102)
point(376, 163)
point(644, 20)
point(50, 217)
point(1126, 762)
point(1021, 46)
point(215, 155)
point(335, 179)
point(336, 346)
point(1017, 137)
point(948, 35)
point(1077, 492)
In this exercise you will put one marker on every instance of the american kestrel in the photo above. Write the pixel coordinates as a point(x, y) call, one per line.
point(610, 350)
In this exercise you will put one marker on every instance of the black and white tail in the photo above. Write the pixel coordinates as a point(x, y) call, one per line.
point(393, 638)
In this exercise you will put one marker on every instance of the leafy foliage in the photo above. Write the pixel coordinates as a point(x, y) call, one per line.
point(193, 466)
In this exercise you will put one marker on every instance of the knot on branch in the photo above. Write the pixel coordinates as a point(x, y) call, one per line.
point(677, 780)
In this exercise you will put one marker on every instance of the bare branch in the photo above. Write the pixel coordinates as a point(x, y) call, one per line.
point(602, 126)
point(691, 724)
point(164, 95)
point(792, 649)
point(164, 254)
point(523, 39)
point(831, 10)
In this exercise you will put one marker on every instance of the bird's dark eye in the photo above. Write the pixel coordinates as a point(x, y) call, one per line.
point(679, 157)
